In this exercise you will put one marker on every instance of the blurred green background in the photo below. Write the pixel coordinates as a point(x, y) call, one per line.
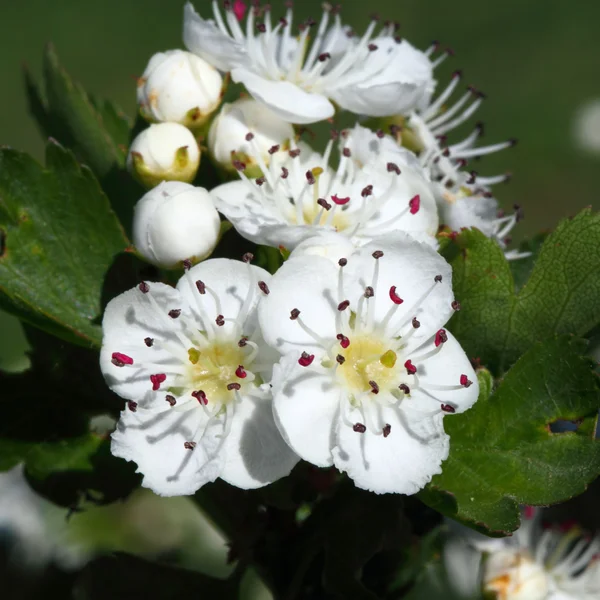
point(538, 61)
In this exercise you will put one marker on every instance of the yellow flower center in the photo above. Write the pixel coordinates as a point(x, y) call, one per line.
point(368, 359)
point(213, 368)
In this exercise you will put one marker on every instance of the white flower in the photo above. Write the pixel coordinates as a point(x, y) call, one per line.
point(537, 562)
point(164, 152)
point(179, 86)
point(464, 197)
point(243, 128)
point(300, 195)
point(478, 208)
point(368, 372)
point(375, 75)
point(174, 222)
point(191, 363)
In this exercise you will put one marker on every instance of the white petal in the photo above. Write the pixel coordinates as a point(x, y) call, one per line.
point(307, 283)
point(253, 218)
point(228, 283)
point(128, 320)
point(410, 266)
point(394, 216)
point(256, 453)
point(289, 101)
point(401, 463)
point(328, 244)
point(204, 38)
point(445, 367)
point(155, 442)
point(305, 406)
point(462, 563)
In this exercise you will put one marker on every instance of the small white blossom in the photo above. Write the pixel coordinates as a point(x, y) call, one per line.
point(173, 222)
point(244, 128)
point(191, 364)
point(180, 87)
point(164, 152)
point(538, 562)
point(464, 197)
point(300, 195)
point(374, 74)
point(368, 372)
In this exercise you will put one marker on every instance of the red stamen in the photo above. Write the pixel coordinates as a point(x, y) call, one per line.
point(240, 372)
point(448, 408)
point(157, 380)
point(394, 297)
point(340, 201)
point(120, 360)
point(465, 381)
point(440, 337)
point(410, 368)
point(171, 399)
point(343, 305)
point(404, 388)
point(344, 341)
point(306, 359)
point(386, 430)
point(200, 396)
point(233, 386)
point(189, 445)
point(132, 406)
point(359, 428)
point(415, 204)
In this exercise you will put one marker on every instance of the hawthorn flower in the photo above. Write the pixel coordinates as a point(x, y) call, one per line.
point(539, 562)
point(376, 74)
point(180, 87)
point(164, 152)
point(192, 366)
point(368, 370)
point(175, 222)
point(300, 195)
point(464, 197)
point(243, 128)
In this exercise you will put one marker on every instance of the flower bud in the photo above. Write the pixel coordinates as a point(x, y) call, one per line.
point(164, 152)
point(180, 87)
point(175, 222)
point(228, 136)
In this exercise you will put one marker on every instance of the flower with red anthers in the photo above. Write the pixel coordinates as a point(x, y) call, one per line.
point(191, 388)
point(368, 364)
point(299, 75)
point(540, 561)
point(360, 199)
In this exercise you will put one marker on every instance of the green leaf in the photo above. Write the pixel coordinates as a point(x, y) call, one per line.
point(521, 269)
point(496, 324)
point(97, 132)
point(502, 451)
point(59, 239)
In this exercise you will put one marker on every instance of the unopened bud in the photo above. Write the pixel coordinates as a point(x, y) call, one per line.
point(164, 152)
point(175, 222)
point(179, 87)
point(228, 138)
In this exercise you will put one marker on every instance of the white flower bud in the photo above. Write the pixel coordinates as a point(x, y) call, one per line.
point(164, 152)
point(175, 222)
point(229, 134)
point(180, 87)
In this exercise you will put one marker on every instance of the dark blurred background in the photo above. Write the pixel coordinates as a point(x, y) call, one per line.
point(538, 61)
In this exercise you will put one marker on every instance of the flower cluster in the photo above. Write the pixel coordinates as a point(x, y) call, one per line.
point(341, 356)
